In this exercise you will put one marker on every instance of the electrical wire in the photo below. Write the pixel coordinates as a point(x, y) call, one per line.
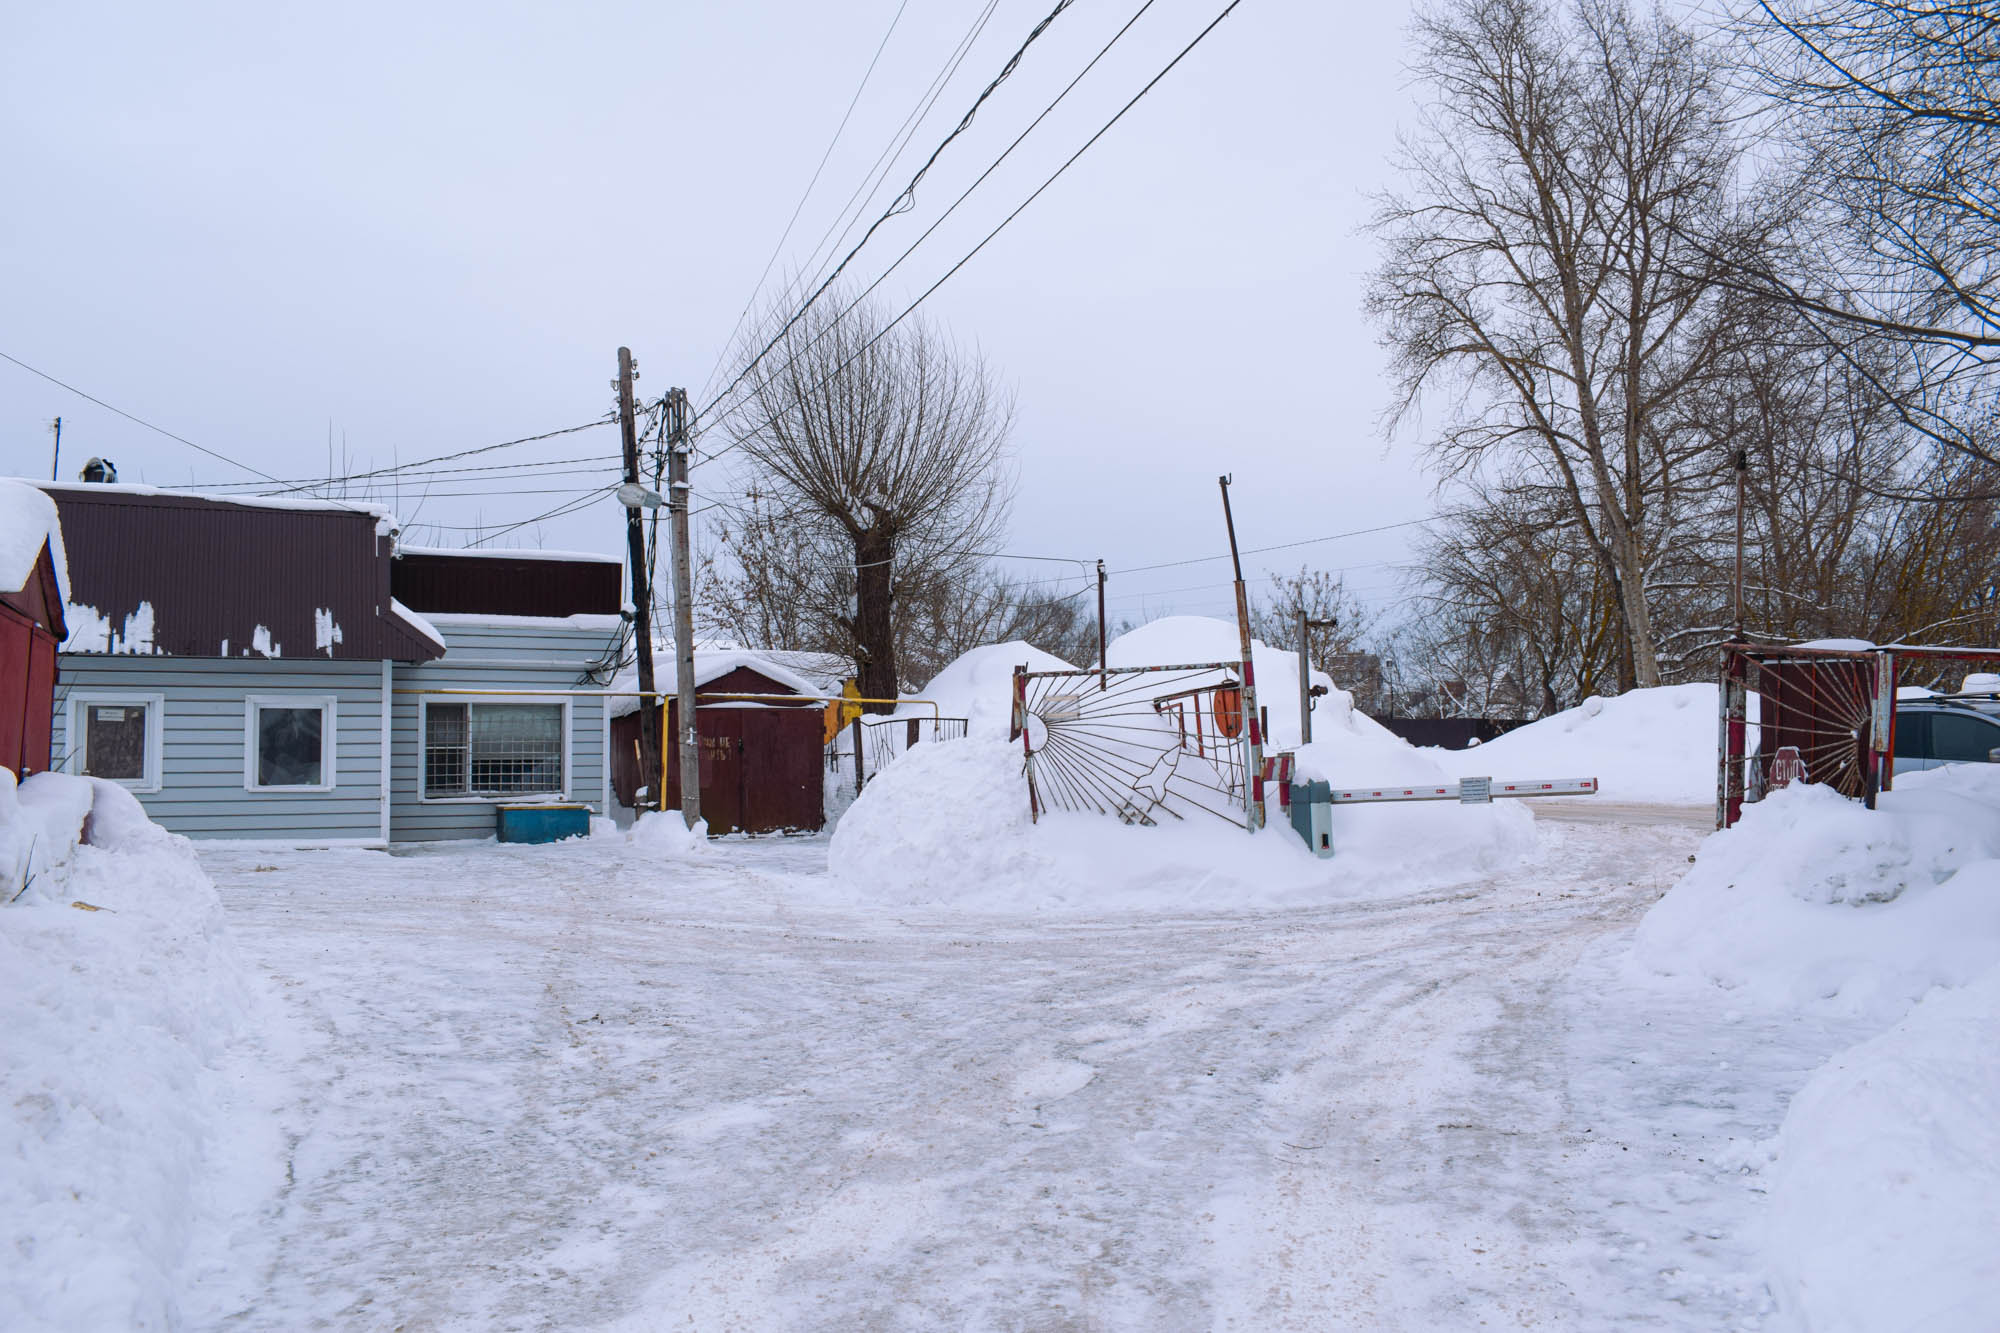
point(588, 498)
point(798, 208)
point(902, 203)
point(182, 439)
point(871, 180)
point(1052, 178)
point(943, 217)
point(606, 420)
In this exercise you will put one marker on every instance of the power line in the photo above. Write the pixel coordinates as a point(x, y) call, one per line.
point(903, 202)
point(944, 216)
point(446, 458)
point(878, 171)
point(589, 498)
point(838, 130)
point(182, 439)
point(1053, 177)
point(514, 471)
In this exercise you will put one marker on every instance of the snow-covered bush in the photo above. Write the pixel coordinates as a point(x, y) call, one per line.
point(1812, 900)
point(120, 991)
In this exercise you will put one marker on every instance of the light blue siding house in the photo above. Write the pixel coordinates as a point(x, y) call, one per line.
point(282, 671)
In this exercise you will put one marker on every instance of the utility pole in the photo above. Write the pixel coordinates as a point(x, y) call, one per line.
point(1102, 672)
point(642, 592)
point(1253, 753)
point(55, 463)
point(676, 427)
point(1742, 461)
point(1306, 627)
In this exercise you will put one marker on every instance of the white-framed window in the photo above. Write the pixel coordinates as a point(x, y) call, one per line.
point(116, 735)
point(288, 742)
point(494, 749)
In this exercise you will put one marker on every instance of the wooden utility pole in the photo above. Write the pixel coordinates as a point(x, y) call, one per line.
point(1253, 751)
point(642, 591)
point(676, 427)
point(1102, 672)
point(55, 462)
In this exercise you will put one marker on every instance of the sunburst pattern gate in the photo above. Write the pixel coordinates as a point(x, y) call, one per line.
point(1141, 743)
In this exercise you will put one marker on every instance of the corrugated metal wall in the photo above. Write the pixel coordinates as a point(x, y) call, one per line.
point(498, 655)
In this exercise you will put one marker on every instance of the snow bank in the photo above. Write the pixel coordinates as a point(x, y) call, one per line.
point(120, 990)
point(979, 686)
point(1179, 640)
point(666, 836)
point(1654, 745)
point(1885, 1208)
point(1813, 901)
point(1432, 841)
point(948, 825)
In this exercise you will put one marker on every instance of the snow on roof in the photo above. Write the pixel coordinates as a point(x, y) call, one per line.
point(27, 520)
point(510, 553)
point(418, 623)
point(709, 665)
point(385, 518)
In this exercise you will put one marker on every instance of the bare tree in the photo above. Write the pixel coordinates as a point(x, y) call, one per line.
point(1891, 113)
point(1337, 641)
point(1541, 276)
point(883, 442)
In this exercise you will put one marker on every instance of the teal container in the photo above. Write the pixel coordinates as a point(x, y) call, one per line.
point(1312, 815)
point(542, 823)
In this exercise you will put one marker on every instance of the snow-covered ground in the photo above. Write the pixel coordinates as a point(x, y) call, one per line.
point(950, 1069)
point(590, 1085)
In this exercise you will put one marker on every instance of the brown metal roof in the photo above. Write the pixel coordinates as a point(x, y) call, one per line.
point(517, 583)
point(224, 578)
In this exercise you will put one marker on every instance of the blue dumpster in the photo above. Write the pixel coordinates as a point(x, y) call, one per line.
point(544, 822)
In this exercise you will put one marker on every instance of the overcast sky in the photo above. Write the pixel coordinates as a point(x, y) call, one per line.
point(428, 228)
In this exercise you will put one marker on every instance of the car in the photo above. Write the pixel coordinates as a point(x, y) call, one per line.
point(1947, 729)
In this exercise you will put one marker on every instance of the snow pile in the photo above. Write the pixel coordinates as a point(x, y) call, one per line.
point(666, 836)
point(41, 823)
point(27, 521)
point(120, 990)
point(1654, 745)
point(1812, 900)
point(1885, 1208)
point(979, 686)
point(948, 824)
point(1180, 640)
point(1432, 841)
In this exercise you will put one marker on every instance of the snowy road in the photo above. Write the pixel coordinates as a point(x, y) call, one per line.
point(557, 1088)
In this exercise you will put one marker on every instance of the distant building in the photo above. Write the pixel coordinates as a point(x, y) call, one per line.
point(281, 670)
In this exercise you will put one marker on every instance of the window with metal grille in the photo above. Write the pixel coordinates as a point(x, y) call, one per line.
point(482, 749)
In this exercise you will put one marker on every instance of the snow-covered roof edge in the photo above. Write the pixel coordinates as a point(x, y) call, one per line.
point(709, 665)
point(418, 623)
point(582, 620)
point(28, 519)
point(385, 518)
point(512, 553)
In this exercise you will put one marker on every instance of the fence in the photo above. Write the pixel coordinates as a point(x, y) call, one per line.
point(883, 740)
